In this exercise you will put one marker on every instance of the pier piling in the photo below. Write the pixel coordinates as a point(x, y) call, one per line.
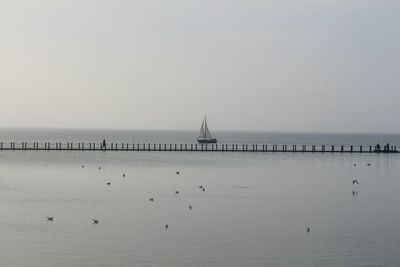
point(254, 148)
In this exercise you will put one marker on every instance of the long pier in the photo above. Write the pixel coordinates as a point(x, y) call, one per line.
point(71, 146)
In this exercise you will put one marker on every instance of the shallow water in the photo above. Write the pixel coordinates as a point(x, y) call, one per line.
point(254, 211)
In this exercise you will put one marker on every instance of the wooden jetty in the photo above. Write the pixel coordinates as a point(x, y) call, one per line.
point(69, 146)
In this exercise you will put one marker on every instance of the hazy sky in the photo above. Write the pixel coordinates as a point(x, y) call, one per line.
point(270, 65)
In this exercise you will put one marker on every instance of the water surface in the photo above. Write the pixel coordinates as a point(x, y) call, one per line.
point(254, 211)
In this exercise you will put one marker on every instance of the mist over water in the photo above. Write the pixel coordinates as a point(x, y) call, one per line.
point(254, 211)
point(188, 137)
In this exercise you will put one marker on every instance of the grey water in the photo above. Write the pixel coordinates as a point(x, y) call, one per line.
point(254, 211)
point(187, 137)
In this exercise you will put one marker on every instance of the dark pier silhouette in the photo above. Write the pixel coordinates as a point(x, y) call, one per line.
point(101, 146)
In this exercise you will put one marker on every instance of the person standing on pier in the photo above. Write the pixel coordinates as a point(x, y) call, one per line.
point(104, 145)
point(378, 147)
point(387, 147)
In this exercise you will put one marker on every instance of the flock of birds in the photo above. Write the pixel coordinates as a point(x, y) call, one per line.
point(201, 187)
point(96, 221)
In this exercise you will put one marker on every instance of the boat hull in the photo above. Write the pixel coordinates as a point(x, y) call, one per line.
point(207, 141)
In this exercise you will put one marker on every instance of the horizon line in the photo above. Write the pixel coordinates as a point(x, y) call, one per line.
point(191, 130)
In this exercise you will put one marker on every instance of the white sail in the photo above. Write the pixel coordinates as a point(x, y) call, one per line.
point(202, 133)
point(206, 130)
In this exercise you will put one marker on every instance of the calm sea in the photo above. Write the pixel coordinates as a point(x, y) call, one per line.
point(254, 211)
point(188, 137)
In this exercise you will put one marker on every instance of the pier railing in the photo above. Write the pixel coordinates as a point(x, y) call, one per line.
point(73, 146)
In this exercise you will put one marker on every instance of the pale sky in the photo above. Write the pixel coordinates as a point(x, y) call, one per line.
point(268, 65)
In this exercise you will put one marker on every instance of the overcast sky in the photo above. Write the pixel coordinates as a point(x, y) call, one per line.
point(269, 65)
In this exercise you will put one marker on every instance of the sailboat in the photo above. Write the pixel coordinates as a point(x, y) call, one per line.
point(204, 134)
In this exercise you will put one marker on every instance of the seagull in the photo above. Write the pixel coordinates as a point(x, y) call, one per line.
point(200, 186)
point(355, 164)
point(151, 199)
point(95, 221)
point(108, 183)
point(368, 164)
point(177, 192)
point(166, 227)
point(177, 172)
point(123, 175)
point(204, 189)
point(355, 182)
point(190, 207)
point(308, 229)
point(50, 218)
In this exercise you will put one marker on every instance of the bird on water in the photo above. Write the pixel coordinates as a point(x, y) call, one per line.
point(50, 218)
point(355, 181)
point(308, 229)
point(151, 199)
point(177, 172)
point(123, 175)
point(177, 192)
point(166, 227)
point(190, 207)
point(95, 221)
point(108, 183)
